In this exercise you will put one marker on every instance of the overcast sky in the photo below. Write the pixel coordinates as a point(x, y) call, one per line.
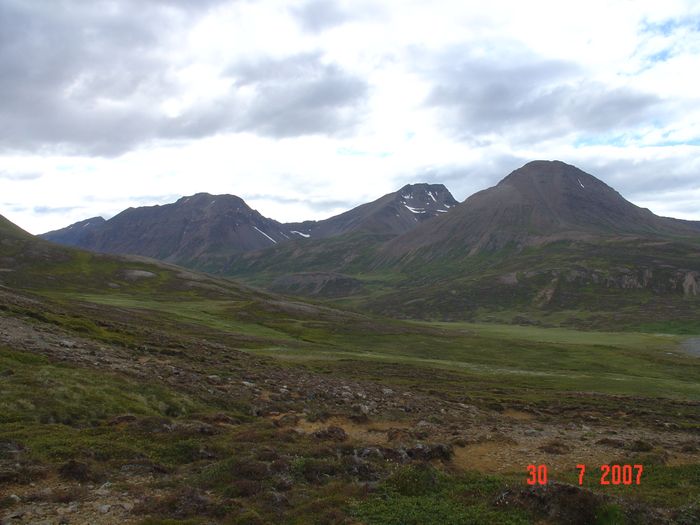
point(306, 109)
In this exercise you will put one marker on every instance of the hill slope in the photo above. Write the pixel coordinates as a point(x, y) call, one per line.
point(9, 230)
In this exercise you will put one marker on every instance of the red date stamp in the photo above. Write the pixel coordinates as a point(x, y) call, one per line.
point(609, 474)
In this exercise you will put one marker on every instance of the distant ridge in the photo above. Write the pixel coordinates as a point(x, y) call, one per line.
point(77, 234)
point(179, 232)
point(203, 230)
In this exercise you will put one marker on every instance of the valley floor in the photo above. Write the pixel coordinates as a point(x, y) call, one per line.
point(305, 422)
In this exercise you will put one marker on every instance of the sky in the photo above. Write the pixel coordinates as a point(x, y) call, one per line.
point(308, 108)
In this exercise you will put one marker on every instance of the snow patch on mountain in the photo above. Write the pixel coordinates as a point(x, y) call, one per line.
point(265, 234)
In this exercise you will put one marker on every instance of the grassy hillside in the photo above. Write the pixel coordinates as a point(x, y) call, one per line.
point(620, 283)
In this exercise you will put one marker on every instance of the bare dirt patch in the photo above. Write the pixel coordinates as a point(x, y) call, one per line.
point(519, 415)
point(371, 432)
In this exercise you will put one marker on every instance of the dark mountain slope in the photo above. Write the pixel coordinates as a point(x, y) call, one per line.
point(182, 232)
point(203, 231)
point(78, 234)
point(344, 243)
point(539, 203)
point(392, 214)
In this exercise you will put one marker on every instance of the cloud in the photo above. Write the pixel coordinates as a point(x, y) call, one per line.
point(56, 209)
point(524, 98)
point(5, 175)
point(91, 77)
point(318, 15)
point(78, 76)
point(299, 95)
point(312, 203)
point(150, 200)
point(649, 179)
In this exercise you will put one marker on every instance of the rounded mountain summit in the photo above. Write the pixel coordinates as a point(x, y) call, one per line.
point(541, 202)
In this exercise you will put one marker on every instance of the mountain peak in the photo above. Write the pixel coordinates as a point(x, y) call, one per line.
point(544, 171)
point(540, 202)
point(423, 186)
point(207, 199)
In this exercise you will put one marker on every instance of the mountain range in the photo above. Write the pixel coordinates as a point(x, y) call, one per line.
point(548, 237)
point(203, 227)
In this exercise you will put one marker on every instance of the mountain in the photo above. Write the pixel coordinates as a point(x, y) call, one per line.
point(548, 244)
point(539, 203)
point(547, 238)
point(193, 227)
point(203, 231)
point(392, 214)
point(347, 242)
point(77, 234)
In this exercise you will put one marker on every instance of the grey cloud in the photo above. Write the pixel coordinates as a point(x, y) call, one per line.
point(528, 99)
point(5, 175)
point(88, 77)
point(49, 209)
point(317, 15)
point(208, 118)
point(149, 200)
point(650, 179)
point(140, 200)
point(299, 95)
point(314, 204)
point(687, 206)
point(13, 207)
point(78, 75)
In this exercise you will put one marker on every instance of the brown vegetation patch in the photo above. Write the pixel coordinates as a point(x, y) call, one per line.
point(370, 432)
